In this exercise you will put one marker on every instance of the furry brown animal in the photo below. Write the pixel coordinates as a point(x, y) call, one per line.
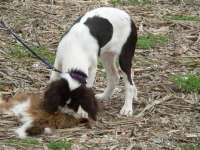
point(29, 108)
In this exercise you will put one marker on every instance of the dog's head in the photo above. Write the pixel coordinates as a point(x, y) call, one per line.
point(58, 94)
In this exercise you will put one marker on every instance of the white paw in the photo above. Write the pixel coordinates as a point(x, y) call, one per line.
point(82, 113)
point(47, 131)
point(101, 96)
point(126, 111)
point(21, 133)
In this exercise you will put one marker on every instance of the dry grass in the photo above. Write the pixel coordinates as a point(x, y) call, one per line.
point(164, 118)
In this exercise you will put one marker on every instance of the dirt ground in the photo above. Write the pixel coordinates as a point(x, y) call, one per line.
point(164, 117)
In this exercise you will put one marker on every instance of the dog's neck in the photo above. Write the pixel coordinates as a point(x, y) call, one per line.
point(75, 78)
point(79, 76)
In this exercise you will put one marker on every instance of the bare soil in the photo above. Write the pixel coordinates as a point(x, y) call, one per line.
point(164, 116)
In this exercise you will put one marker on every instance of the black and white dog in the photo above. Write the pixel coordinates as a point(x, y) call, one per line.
point(104, 33)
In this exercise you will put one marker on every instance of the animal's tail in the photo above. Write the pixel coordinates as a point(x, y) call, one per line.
point(86, 121)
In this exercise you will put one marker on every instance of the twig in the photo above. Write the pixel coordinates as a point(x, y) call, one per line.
point(183, 3)
point(190, 56)
point(188, 141)
point(35, 7)
point(7, 82)
point(156, 102)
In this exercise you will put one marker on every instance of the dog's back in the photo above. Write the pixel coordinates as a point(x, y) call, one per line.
point(109, 27)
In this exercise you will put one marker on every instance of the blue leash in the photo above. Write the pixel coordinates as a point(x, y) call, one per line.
point(46, 63)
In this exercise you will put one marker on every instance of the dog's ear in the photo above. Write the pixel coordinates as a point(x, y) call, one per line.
point(56, 95)
point(85, 97)
point(89, 103)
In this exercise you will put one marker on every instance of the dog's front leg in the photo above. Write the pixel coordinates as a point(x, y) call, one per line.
point(108, 61)
point(131, 93)
point(56, 75)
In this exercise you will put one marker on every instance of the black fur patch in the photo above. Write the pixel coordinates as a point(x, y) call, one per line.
point(127, 53)
point(101, 29)
point(57, 94)
point(84, 97)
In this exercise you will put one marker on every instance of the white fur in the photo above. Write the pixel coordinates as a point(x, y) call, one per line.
point(72, 83)
point(121, 30)
point(78, 49)
point(19, 109)
point(108, 61)
point(47, 131)
point(69, 101)
point(82, 112)
point(21, 131)
point(131, 92)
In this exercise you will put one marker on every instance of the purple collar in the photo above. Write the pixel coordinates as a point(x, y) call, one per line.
point(78, 77)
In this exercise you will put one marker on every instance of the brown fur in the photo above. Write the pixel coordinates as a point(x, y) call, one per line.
point(16, 99)
point(58, 93)
point(42, 119)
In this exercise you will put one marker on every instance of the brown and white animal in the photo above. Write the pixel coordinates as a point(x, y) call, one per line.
point(105, 34)
point(29, 109)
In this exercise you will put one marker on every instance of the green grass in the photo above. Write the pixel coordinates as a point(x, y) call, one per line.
point(99, 65)
point(26, 141)
point(151, 40)
point(1, 87)
point(59, 145)
point(189, 83)
point(20, 52)
point(136, 61)
point(53, 145)
point(141, 63)
point(116, 1)
point(188, 1)
point(5, 0)
point(143, 2)
point(134, 2)
point(191, 147)
point(183, 17)
point(21, 19)
point(191, 63)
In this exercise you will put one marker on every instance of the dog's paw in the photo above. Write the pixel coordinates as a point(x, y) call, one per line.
point(47, 131)
point(82, 113)
point(21, 133)
point(126, 111)
point(101, 96)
